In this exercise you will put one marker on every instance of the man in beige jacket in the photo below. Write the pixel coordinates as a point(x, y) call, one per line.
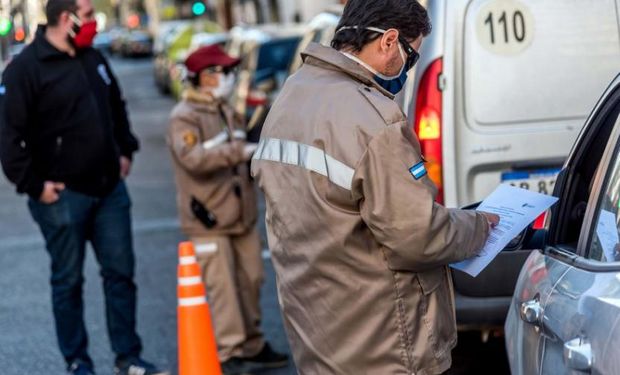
point(359, 245)
point(217, 207)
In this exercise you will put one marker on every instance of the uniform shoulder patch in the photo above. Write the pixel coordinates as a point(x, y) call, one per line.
point(190, 139)
point(418, 171)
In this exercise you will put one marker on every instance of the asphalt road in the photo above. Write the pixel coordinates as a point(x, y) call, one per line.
point(27, 339)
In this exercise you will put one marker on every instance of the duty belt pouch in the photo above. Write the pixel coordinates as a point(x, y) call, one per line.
point(203, 214)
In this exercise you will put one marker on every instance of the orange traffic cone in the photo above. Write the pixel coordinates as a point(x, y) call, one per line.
point(197, 347)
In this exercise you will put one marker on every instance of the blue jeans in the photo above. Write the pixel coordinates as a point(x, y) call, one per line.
point(106, 223)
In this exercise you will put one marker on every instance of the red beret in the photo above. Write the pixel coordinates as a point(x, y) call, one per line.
point(207, 57)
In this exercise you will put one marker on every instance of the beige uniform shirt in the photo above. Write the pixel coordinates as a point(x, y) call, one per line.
point(210, 167)
point(359, 245)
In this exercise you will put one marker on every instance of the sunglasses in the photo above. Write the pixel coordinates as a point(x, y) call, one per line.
point(412, 55)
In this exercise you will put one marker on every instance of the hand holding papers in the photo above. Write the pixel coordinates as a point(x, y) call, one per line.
point(517, 208)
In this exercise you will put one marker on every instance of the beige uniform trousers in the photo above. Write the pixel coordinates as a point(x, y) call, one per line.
point(232, 270)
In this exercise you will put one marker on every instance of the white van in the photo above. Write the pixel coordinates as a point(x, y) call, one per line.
point(500, 93)
point(503, 87)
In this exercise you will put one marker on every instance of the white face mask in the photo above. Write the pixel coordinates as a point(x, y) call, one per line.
point(372, 70)
point(225, 86)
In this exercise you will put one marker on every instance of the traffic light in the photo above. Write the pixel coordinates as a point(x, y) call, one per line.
point(20, 34)
point(5, 26)
point(199, 8)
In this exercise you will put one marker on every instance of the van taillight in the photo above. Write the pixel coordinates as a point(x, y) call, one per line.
point(428, 116)
point(540, 221)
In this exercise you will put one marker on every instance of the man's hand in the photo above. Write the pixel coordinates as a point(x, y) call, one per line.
point(249, 149)
point(51, 191)
point(492, 219)
point(125, 166)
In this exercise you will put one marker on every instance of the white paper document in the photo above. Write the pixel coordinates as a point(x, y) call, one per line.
point(607, 232)
point(517, 208)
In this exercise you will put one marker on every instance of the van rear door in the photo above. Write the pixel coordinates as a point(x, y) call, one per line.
point(529, 73)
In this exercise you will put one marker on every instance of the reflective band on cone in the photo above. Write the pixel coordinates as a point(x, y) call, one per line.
point(193, 280)
point(184, 261)
point(194, 301)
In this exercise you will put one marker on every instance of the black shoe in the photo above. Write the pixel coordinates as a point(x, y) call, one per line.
point(268, 358)
point(136, 366)
point(80, 368)
point(235, 366)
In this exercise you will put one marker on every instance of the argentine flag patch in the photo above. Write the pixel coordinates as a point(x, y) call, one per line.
point(418, 171)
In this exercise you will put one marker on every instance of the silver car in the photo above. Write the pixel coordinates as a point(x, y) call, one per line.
point(565, 313)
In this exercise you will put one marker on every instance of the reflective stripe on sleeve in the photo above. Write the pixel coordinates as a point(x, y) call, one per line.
point(206, 248)
point(305, 156)
point(218, 140)
point(239, 134)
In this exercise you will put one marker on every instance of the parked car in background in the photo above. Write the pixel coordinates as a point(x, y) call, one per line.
point(137, 43)
point(500, 94)
point(266, 52)
point(178, 72)
point(103, 42)
point(168, 30)
point(117, 39)
point(321, 29)
point(176, 50)
point(565, 313)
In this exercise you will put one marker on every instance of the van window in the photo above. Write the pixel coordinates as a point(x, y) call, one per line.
point(532, 62)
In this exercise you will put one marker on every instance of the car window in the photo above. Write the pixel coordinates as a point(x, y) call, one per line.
point(605, 242)
point(578, 180)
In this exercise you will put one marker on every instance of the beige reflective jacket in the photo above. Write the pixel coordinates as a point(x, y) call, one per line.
point(210, 167)
point(359, 246)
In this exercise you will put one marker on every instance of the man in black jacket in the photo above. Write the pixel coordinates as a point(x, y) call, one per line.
point(65, 140)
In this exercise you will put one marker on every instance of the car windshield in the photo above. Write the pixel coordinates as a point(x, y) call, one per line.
point(274, 57)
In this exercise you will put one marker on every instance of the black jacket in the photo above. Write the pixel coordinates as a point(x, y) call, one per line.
point(63, 120)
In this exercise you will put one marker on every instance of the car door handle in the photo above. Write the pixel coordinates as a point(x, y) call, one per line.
point(532, 312)
point(578, 354)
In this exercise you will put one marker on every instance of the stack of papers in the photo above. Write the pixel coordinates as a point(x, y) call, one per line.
point(517, 208)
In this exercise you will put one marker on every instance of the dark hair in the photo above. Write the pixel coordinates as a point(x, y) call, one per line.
point(407, 16)
point(54, 9)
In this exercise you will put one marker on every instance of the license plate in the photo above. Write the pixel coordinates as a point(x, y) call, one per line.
point(540, 181)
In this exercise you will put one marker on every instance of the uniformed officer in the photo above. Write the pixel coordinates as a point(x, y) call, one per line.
point(217, 207)
point(359, 245)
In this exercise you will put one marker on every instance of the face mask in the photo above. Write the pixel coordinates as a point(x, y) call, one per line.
point(225, 86)
point(393, 84)
point(83, 33)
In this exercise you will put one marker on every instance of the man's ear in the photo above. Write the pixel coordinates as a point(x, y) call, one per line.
point(389, 39)
point(64, 17)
